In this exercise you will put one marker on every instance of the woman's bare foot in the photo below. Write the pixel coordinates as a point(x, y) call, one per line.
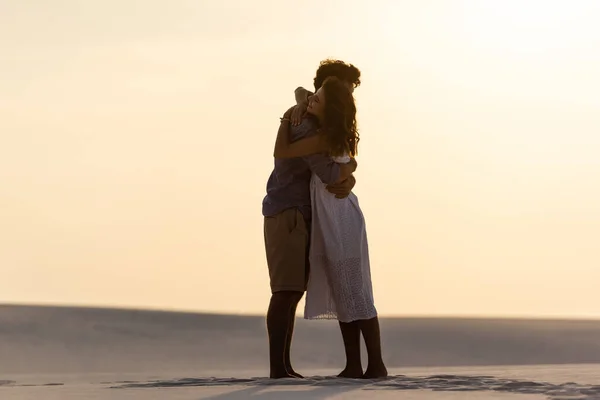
point(375, 371)
point(354, 373)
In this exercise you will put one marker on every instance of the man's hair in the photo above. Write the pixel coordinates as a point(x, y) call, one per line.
point(339, 69)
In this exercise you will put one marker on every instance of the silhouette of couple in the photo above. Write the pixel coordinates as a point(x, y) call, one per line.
point(314, 230)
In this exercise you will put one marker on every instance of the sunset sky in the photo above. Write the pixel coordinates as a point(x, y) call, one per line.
point(137, 136)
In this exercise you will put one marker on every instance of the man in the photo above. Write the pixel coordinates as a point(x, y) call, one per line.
point(287, 213)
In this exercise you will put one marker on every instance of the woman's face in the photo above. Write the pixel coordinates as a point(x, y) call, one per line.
point(316, 104)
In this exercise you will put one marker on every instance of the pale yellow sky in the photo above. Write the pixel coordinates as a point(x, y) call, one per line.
point(137, 139)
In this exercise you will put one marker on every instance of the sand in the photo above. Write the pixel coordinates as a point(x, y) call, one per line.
point(82, 353)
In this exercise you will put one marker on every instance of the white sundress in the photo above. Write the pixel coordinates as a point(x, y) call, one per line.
point(339, 285)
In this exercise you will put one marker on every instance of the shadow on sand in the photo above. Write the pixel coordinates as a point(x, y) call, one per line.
point(319, 388)
point(294, 393)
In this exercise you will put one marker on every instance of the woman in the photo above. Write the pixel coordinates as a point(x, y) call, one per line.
point(339, 286)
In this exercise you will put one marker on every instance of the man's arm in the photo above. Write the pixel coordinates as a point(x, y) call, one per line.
point(342, 189)
point(324, 167)
point(330, 172)
point(346, 170)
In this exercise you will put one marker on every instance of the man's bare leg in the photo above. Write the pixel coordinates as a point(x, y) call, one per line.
point(372, 335)
point(351, 336)
point(290, 334)
point(278, 326)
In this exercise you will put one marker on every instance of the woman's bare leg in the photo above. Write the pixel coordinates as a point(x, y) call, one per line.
point(372, 335)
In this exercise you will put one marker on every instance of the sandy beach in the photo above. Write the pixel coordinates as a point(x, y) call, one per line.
point(87, 353)
point(142, 169)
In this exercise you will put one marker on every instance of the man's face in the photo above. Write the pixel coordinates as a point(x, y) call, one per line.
point(350, 86)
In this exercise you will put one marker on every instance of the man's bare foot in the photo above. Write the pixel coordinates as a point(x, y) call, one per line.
point(295, 374)
point(375, 371)
point(354, 373)
point(280, 375)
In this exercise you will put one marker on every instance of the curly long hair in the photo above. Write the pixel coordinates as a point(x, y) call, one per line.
point(338, 68)
point(339, 122)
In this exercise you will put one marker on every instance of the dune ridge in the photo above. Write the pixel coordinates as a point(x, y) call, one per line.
point(41, 339)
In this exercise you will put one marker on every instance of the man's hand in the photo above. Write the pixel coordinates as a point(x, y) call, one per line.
point(347, 169)
point(298, 113)
point(342, 189)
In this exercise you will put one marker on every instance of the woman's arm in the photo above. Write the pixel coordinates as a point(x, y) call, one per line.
point(302, 95)
point(300, 148)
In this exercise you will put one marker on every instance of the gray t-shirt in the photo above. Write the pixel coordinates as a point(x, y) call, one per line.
point(289, 183)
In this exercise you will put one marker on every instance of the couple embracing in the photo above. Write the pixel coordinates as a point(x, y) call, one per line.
point(315, 236)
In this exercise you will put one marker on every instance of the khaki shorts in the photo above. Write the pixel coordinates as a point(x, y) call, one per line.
point(287, 238)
